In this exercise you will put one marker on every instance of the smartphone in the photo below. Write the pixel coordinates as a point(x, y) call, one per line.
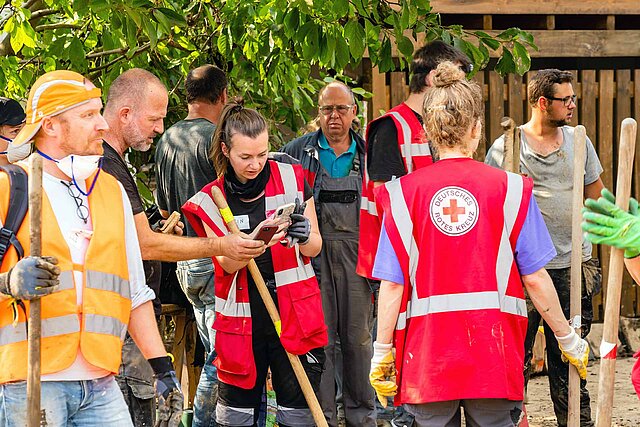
point(284, 212)
point(266, 233)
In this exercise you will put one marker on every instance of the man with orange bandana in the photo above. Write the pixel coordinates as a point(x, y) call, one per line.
point(88, 227)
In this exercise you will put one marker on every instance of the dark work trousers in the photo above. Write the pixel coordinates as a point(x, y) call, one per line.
point(558, 371)
point(347, 303)
point(136, 383)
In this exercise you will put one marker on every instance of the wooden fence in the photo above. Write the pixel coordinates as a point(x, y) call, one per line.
point(605, 98)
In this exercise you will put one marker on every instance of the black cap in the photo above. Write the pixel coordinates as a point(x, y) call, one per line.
point(11, 112)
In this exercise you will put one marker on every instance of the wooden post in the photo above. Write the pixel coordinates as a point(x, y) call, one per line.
point(301, 375)
point(511, 161)
point(579, 155)
point(33, 351)
point(608, 347)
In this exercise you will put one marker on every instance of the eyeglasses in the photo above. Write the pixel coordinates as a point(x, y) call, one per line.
point(567, 100)
point(342, 109)
point(81, 210)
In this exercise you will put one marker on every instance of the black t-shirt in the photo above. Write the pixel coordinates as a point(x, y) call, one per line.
point(384, 161)
point(114, 165)
point(182, 164)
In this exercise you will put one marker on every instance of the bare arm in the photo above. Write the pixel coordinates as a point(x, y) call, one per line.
point(592, 191)
point(389, 301)
point(544, 297)
point(314, 244)
point(167, 247)
point(144, 331)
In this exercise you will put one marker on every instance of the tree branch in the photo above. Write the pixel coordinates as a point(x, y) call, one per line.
point(46, 27)
point(42, 13)
point(106, 52)
point(139, 50)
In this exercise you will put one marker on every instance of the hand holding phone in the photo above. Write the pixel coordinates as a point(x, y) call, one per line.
point(266, 233)
point(283, 212)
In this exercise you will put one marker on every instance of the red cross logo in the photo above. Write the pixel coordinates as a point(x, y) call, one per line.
point(453, 210)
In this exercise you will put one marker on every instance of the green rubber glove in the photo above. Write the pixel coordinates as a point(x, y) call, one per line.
point(605, 223)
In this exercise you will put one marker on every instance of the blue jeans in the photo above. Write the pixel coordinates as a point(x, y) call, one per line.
point(67, 403)
point(196, 280)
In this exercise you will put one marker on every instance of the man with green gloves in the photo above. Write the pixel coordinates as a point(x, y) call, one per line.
point(605, 223)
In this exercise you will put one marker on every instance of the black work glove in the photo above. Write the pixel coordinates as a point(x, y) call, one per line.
point(299, 230)
point(31, 277)
point(167, 387)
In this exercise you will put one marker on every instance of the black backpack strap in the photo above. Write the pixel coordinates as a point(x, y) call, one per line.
point(18, 205)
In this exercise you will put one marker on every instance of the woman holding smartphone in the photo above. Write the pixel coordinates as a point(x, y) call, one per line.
point(246, 341)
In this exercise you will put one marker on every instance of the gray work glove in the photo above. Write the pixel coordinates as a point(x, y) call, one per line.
point(167, 387)
point(300, 228)
point(31, 277)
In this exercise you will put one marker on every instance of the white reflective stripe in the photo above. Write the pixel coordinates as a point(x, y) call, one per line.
point(486, 300)
point(66, 281)
point(99, 324)
point(38, 93)
point(206, 203)
point(108, 282)
point(51, 327)
point(514, 305)
point(233, 416)
point(294, 275)
point(402, 220)
point(402, 321)
point(406, 137)
point(511, 207)
point(415, 150)
point(290, 186)
point(229, 307)
point(368, 205)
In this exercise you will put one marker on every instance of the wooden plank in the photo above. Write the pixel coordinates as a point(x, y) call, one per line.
point(496, 105)
point(605, 152)
point(623, 110)
point(551, 22)
point(543, 7)
point(611, 22)
point(397, 87)
point(530, 75)
point(483, 145)
point(636, 169)
point(575, 43)
point(379, 90)
point(514, 99)
point(487, 22)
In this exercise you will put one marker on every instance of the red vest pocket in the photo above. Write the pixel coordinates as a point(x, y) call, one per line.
point(303, 326)
point(234, 351)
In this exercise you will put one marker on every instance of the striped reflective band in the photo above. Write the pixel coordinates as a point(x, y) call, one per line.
point(462, 301)
point(98, 324)
point(108, 282)
point(206, 203)
point(233, 416)
point(52, 326)
point(66, 281)
point(294, 275)
point(369, 206)
point(410, 150)
point(290, 184)
point(229, 307)
point(406, 138)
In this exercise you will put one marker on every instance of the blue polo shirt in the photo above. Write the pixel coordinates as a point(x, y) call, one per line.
point(340, 166)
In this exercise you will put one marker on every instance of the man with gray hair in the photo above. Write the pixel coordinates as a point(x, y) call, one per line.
point(135, 111)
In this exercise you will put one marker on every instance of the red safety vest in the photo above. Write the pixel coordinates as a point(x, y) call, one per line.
point(299, 300)
point(463, 318)
point(416, 154)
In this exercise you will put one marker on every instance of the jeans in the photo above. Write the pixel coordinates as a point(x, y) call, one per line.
point(75, 403)
point(196, 279)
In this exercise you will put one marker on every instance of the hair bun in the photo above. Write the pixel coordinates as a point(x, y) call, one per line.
point(447, 74)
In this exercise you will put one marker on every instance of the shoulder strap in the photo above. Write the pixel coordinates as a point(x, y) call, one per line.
point(18, 205)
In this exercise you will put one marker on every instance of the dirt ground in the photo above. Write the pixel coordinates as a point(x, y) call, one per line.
point(626, 406)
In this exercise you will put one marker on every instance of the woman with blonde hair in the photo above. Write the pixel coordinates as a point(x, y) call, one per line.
point(460, 239)
point(246, 341)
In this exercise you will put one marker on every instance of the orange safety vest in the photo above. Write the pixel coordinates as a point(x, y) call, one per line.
point(97, 327)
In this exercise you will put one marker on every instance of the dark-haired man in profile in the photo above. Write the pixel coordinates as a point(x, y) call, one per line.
point(182, 169)
point(546, 155)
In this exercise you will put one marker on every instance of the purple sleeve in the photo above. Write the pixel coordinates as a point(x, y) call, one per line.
point(534, 248)
point(386, 265)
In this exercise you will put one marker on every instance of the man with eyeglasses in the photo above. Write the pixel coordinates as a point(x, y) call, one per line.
point(333, 160)
point(546, 155)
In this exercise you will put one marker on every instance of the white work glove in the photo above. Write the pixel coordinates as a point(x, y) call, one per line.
point(383, 372)
point(576, 351)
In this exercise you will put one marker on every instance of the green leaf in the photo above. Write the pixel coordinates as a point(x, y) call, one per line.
point(49, 64)
point(173, 17)
point(386, 60)
point(151, 31)
point(76, 54)
point(521, 58)
point(356, 36)
point(340, 8)
point(342, 52)
point(405, 46)
point(291, 22)
point(223, 44)
point(505, 64)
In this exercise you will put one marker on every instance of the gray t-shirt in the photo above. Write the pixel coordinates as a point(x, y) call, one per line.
point(552, 187)
point(182, 164)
